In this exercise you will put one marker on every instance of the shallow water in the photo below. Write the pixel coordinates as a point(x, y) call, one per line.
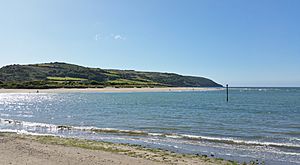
point(256, 124)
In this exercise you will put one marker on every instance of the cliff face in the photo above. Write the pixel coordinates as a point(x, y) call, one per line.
point(61, 74)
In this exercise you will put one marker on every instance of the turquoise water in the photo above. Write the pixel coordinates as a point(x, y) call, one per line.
point(256, 124)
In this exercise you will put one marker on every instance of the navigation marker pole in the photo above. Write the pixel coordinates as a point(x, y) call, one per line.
point(227, 92)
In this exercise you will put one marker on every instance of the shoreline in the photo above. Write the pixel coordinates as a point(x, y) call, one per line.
point(36, 149)
point(110, 90)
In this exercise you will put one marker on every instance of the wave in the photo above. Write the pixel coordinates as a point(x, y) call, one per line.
point(24, 132)
point(242, 142)
point(26, 124)
point(53, 128)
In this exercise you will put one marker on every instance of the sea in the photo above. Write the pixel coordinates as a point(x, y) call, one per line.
point(256, 124)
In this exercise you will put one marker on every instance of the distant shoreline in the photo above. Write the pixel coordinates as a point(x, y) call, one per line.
point(108, 90)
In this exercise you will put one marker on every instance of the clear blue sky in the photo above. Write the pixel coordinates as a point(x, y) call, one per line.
point(240, 42)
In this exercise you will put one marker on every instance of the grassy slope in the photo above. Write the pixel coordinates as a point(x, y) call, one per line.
point(47, 76)
point(65, 79)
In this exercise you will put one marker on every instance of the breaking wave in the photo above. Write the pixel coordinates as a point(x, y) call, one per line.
point(56, 128)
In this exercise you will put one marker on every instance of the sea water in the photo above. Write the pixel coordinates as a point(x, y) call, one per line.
point(257, 124)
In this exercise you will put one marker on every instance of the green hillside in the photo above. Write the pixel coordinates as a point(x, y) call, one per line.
point(63, 75)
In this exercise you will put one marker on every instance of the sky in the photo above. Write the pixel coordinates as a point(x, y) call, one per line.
point(235, 42)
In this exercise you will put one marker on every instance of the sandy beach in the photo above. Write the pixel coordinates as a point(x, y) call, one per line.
point(89, 90)
point(22, 149)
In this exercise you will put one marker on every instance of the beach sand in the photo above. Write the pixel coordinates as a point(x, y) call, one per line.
point(91, 90)
point(20, 149)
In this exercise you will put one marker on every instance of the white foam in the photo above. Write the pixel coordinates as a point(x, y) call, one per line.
point(8, 131)
point(237, 141)
point(173, 136)
point(54, 128)
point(155, 134)
point(24, 132)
